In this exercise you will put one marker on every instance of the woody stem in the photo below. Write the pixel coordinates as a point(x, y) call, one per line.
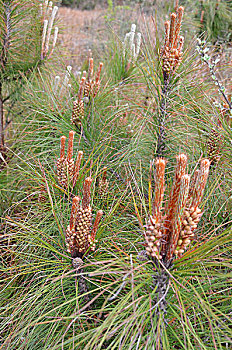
point(1, 120)
point(162, 118)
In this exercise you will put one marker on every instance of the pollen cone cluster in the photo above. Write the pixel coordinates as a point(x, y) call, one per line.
point(67, 170)
point(88, 88)
point(92, 84)
point(80, 234)
point(173, 45)
point(168, 234)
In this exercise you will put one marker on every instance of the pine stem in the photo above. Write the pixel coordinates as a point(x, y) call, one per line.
point(161, 284)
point(6, 37)
point(82, 286)
point(161, 146)
point(2, 144)
point(3, 62)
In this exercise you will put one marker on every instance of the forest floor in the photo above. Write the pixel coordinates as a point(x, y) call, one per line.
point(80, 32)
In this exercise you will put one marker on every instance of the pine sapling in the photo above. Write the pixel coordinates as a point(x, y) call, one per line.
point(170, 230)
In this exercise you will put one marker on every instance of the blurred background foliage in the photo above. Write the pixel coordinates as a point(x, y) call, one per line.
point(212, 17)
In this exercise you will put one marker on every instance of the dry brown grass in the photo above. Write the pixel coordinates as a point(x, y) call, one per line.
point(80, 32)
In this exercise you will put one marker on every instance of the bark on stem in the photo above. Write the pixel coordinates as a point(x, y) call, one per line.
point(1, 120)
point(3, 62)
point(161, 147)
point(77, 263)
point(161, 284)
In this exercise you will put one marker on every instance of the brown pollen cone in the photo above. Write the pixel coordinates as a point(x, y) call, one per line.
point(78, 112)
point(96, 85)
point(89, 83)
point(214, 145)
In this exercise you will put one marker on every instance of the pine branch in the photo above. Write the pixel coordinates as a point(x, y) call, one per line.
point(1, 120)
point(171, 58)
point(82, 286)
point(6, 37)
point(162, 119)
point(3, 62)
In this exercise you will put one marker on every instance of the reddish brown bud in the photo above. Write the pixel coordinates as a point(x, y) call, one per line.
point(81, 88)
point(98, 72)
point(96, 223)
point(201, 183)
point(178, 25)
point(178, 216)
point(172, 29)
point(176, 5)
point(90, 72)
point(70, 145)
point(62, 147)
point(86, 192)
point(75, 207)
point(77, 167)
